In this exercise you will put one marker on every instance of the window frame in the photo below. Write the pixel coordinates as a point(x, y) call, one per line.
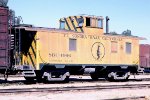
point(116, 48)
point(80, 23)
point(89, 23)
point(62, 25)
point(128, 48)
point(98, 23)
point(94, 22)
point(72, 44)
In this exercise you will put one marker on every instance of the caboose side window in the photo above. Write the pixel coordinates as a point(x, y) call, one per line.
point(80, 22)
point(128, 48)
point(62, 24)
point(72, 44)
point(88, 21)
point(93, 22)
point(100, 24)
point(114, 47)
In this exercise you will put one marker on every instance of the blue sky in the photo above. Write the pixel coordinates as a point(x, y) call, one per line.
point(124, 14)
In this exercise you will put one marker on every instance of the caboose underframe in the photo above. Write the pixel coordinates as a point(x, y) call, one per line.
point(55, 72)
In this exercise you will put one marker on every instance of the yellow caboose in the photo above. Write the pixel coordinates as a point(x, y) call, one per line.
point(79, 46)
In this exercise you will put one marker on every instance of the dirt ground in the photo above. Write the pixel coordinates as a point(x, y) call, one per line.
point(106, 94)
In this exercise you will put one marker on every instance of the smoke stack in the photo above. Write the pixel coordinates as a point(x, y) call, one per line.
point(107, 24)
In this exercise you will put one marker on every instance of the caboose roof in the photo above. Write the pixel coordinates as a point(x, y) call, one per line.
point(44, 29)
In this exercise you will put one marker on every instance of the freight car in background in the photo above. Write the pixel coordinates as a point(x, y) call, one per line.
point(145, 57)
point(78, 47)
point(4, 37)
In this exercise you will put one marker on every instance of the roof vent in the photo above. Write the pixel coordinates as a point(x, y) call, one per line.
point(127, 32)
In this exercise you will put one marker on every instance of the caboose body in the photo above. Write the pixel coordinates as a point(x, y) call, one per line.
point(79, 47)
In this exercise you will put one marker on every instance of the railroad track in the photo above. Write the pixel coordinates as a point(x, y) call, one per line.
point(129, 98)
point(72, 80)
point(75, 88)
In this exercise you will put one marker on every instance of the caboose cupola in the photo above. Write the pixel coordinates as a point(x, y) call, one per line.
point(84, 24)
